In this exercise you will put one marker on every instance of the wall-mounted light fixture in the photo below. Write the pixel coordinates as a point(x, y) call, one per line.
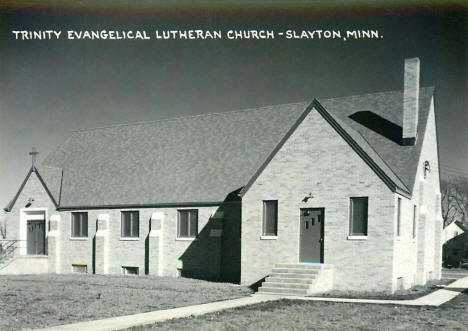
point(307, 197)
point(30, 201)
point(427, 168)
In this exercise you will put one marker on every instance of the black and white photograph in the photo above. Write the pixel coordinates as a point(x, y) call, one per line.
point(233, 165)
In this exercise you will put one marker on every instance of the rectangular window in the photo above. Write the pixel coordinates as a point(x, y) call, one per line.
point(415, 223)
point(187, 223)
point(270, 218)
point(79, 225)
point(358, 216)
point(130, 270)
point(79, 268)
point(398, 217)
point(130, 225)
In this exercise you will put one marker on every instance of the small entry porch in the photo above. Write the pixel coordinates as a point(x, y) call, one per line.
point(33, 232)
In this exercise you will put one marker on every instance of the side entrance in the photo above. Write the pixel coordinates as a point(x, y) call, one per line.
point(312, 226)
point(35, 237)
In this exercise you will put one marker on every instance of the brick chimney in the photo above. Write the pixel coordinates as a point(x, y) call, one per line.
point(410, 102)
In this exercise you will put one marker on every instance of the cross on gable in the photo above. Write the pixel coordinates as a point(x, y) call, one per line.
point(33, 154)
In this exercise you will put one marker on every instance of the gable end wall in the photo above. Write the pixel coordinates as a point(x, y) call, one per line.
point(317, 160)
point(35, 190)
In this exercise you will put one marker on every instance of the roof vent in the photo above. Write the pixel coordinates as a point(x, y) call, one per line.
point(410, 102)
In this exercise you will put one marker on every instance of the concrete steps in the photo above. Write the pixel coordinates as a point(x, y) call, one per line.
point(295, 271)
point(291, 275)
point(297, 279)
point(284, 291)
point(285, 280)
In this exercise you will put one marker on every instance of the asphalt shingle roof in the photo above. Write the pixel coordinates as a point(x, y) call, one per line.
point(52, 177)
point(402, 160)
point(201, 159)
point(191, 159)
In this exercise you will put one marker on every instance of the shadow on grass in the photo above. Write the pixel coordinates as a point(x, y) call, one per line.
point(456, 289)
point(254, 287)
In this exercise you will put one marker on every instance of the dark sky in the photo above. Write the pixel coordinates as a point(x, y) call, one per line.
point(50, 87)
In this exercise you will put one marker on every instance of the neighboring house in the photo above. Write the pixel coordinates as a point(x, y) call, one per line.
point(452, 230)
point(344, 191)
point(455, 247)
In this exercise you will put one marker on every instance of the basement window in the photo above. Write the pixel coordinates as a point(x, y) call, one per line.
point(358, 216)
point(130, 271)
point(270, 218)
point(79, 225)
point(130, 226)
point(80, 268)
point(187, 223)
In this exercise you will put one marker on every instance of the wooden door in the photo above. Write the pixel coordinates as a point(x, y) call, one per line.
point(312, 223)
point(36, 238)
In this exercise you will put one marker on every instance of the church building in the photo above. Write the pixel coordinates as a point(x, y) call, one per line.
point(297, 198)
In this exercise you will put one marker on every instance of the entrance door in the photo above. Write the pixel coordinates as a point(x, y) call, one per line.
point(312, 231)
point(36, 238)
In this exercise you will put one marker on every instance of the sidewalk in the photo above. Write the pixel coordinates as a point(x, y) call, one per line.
point(122, 322)
point(435, 298)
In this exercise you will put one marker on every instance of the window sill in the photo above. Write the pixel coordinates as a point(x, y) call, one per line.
point(129, 239)
point(185, 239)
point(351, 237)
point(268, 237)
point(78, 238)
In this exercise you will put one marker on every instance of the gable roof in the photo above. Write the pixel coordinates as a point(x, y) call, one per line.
point(202, 159)
point(388, 106)
point(49, 177)
point(462, 226)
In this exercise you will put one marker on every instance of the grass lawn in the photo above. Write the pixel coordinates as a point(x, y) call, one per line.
point(33, 301)
point(307, 315)
point(410, 294)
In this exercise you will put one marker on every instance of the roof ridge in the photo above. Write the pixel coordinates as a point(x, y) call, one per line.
point(190, 116)
point(373, 93)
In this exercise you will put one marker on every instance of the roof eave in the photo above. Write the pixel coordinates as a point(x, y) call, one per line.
point(147, 205)
point(13, 201)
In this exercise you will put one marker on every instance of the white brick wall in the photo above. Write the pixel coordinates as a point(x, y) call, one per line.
point(131, 252)
point(202, 257)
point(317, 160)
point(426, 250)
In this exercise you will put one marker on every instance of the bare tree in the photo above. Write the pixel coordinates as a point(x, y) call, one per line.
point(2, 231)
point(2, 226)
point(454, 191)
point(461, 198)
point(447, 192)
